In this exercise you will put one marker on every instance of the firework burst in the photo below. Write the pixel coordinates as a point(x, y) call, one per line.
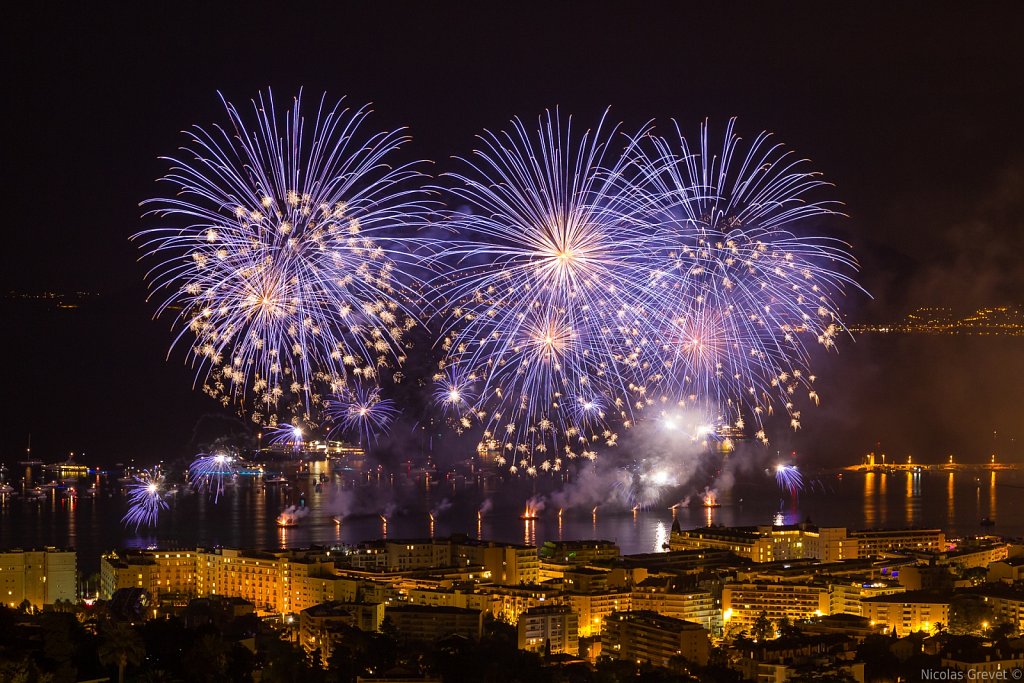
point(456, 397)
point(287, 436)
point(362, 412)
point(210, 471)
point(789, 478)
point(287, 246)
point(742, 295)
point(145, 501)
point(541, 317)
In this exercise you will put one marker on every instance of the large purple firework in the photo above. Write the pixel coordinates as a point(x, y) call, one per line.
point(743, 281)
point(541, 308)
point(145, 501)
point(286, 246)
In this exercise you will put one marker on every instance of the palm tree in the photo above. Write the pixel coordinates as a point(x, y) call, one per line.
point(121, 646)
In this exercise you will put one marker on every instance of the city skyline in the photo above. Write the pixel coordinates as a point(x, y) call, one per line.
point(451, 343)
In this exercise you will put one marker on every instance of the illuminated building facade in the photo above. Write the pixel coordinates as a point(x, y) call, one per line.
point(881, 542)
point(593, 608)
point(646, 637)
point(277, 583)
point(551, 629)
point(905, 613)
point(805, 541)
point(656, 594)
point(40, 576)
point(845, 596)
point(743, 603)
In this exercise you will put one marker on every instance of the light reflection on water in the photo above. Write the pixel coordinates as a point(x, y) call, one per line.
point(245, 515)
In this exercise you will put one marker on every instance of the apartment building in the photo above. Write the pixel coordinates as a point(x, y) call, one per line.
point(805, 541)
point(648, 637)
point(517, 599)
point(482, 599)
point(430, 624)
point(882, 542)
point(905, 613)
point(658, 594)
point(551, 629)
point(280, 582)
point(594, 608)
point(743, 603)
point(770, 543)
point(40, 576)
point(845, 597)
point(1007, 602)
point(505, 563)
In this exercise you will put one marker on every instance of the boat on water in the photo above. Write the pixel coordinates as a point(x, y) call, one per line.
point(986, 521)
point(275, 480)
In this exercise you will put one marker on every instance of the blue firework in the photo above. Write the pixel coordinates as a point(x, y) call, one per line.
point(744, 281)
point(287, 247)
point(145, 501)
point(789, 478)
point(362, 412)
point(210, 471)
point(539, 287)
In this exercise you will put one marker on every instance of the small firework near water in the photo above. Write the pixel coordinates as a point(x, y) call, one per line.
point(210, 471)
point(710, 499)
point(285, 244)
point(287, 437)
point(360, 411)
point(145, 501)
point(789, 478)
point(292, 515)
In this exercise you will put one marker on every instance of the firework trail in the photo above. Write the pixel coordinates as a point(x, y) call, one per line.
point(360, 410)
point(541, 309)
point(145, 501)
point(288, 247)
point(741, 294)
point(210, 471)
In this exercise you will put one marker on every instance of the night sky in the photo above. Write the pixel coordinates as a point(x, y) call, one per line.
point(914, 113)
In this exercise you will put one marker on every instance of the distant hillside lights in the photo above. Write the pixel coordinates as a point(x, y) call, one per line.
point(989, 321)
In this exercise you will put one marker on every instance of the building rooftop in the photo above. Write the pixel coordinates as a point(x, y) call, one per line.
point(428, 609)
point(587, 571)
point(923, 597)
point(659, 621)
